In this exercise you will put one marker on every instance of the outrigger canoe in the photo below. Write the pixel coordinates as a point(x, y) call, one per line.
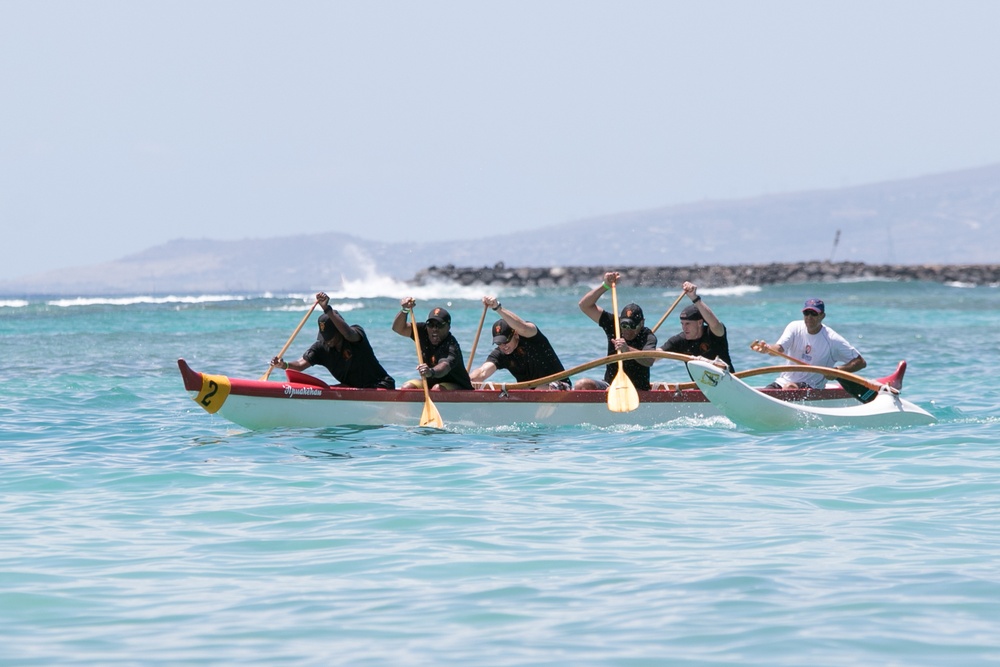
point(304, 401)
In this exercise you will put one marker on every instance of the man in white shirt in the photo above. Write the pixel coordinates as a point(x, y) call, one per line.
point(814, 343)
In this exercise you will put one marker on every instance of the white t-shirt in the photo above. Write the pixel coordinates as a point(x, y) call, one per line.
point(825, 348)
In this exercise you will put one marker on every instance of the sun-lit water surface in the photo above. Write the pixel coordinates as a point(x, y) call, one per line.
point(137, 529)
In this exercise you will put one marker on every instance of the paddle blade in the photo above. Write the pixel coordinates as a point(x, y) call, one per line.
point(622, 396)
point(430, 416)
point(858, 391)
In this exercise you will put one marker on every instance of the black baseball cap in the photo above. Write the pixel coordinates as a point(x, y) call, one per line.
point(502, 332)
point(326, 327)
point(692, 313)
point(441, 315)
point(633, 313)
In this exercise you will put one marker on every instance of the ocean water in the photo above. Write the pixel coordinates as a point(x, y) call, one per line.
point(139, 530)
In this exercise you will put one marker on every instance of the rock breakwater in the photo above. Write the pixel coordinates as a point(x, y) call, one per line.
point(712, 276)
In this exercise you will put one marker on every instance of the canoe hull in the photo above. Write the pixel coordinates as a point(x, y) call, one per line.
point(256, 412)
point(310, 403)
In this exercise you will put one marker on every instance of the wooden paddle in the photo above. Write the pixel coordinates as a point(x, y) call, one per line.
point(763, 370)
point(430, 416)
point(658, 354)
point(295, 333)
point(475, 342)
point(603, 361)
point(622, 396)
point(860, 388)
point(669, 310)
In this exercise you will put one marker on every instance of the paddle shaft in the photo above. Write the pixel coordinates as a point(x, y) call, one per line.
point(603, 361)
point(669, 310)
point(622, 396)
point(651, 354)
point(763, 370)
point(431, 416)
point(295, 333)
point(475, 342)
point(614, 306)
point(777, 353)
point(824, 370)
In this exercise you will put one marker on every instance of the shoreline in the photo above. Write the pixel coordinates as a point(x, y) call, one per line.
point(713, 276)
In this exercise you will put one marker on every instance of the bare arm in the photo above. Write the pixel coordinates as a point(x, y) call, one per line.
point(483, 372)
point(854, 365)
point(649, 346)
point(588, 304)
point(711, 320)
point(346, 330)
point(440, 369)
point(399, 323)
point(522, 327)
point(764, 347)
point(299, 364)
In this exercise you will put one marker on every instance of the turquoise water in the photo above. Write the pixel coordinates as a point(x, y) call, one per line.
point(139, 530)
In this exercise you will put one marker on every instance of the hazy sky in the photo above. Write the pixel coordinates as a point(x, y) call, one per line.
point(126, 124)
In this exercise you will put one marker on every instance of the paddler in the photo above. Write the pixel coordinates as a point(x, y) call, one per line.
point(814, 343)
point(521, 348)
point(702, 333)
point(635, 335)
point(344, 350)
point(443, 366)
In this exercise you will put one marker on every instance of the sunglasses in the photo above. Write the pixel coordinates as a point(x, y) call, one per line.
point(433, 324)
point(810, 313)
point(628, 325)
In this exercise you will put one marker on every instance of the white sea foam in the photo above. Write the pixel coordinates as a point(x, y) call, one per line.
point(373, 285)
point(735, 290)
point(348, 297)
point(865, 279)
point(133, 300)
point(343, 306)
point(13, 303)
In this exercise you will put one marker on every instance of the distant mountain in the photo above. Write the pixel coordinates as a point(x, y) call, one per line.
point(951, 218)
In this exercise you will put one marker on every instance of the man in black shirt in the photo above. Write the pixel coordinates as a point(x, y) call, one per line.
point(702, 334)
point(635, 335)
point(344, 350)
point(443, 365)
point(521, 348)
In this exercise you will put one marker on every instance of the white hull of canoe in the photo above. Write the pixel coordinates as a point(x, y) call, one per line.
point(264, 413)
point(256, 404)
point(750, 408)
